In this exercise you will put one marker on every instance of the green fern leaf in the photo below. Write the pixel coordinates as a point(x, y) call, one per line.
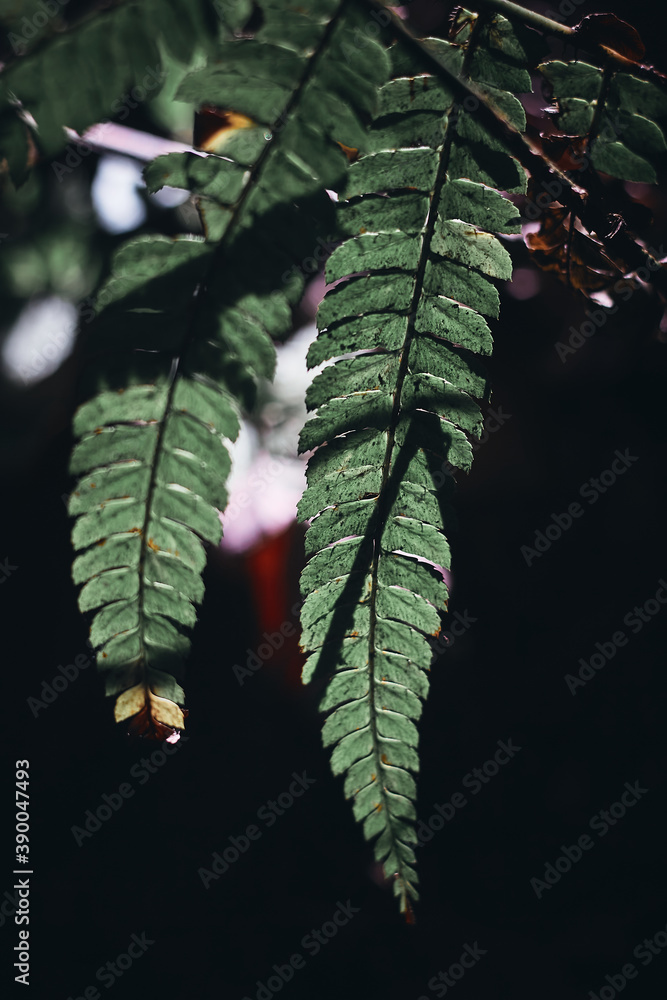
point(112, 51)
point(623, 117)
point(185, 327)
point(415, 285)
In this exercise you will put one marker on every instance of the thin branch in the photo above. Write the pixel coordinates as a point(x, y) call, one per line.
point(604, 53)
point(528, 17)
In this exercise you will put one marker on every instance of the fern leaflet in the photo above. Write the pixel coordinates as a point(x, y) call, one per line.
point(185, 326)
point(112, 52)
point(621, 117)
point(415, 283)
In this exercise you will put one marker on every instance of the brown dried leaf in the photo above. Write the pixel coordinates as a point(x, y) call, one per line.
point(566, 151)
point(351, 152)
point(612, 33)
point(576, 258)
point(550, 235)
point(213, 127)
point(151, 717)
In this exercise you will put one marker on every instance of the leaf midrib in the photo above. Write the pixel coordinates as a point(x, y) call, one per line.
point(427, 237)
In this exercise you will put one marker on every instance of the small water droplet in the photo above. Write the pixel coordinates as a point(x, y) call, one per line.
point(268, 135)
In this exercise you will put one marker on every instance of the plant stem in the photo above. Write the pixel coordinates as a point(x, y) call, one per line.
point(528, 17)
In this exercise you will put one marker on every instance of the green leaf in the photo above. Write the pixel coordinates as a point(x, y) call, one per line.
point(625, 120)
point(185, 327)
point(114, 52)
point(415, 280)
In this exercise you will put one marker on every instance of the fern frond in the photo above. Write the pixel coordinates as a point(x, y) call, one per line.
point(186, 326)
point(415, 285)
point(108, 54)
point(622, 117)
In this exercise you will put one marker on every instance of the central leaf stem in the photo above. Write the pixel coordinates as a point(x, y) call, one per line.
point(427, 234)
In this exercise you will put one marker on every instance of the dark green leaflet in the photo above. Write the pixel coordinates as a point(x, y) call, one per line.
point(186, 326)
point(418, 269)
point(114, 52)
point(623, 116)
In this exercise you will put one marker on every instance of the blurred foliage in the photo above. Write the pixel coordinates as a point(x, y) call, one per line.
point(52, 244)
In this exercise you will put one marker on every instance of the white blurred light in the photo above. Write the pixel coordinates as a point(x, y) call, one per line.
point(109, 136)
point(115, 194)
point(530, 227)
point(268, 478)
point(603, 299)
point(40, 340)
point(169, 197)
point(262, 499)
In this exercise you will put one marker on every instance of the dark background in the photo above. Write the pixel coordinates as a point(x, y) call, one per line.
point(504, 679)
